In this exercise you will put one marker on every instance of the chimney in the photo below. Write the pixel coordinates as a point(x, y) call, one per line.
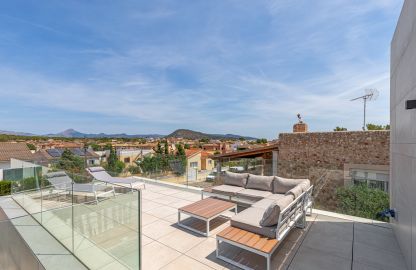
point(300, 126)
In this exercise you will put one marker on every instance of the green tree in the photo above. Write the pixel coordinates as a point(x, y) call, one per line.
point(158, 149)
point(377, 127)
point(113, 164)
point(70, 162)
point(95, 146)
point(340, 129)
point(187, 146)
point(31, 146)
point(262, 141)
point(166, 148)
point(180, 150)
point(362, 201)
point(204, 140)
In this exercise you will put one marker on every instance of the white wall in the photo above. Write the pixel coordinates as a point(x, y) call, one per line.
point(403, 132)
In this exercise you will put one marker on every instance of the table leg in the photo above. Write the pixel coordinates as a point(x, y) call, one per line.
point(207, 227)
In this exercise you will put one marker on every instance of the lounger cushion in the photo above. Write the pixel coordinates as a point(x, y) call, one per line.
point(226, 190)
point(253, 194)
point(271, 214)
point(55, 174)
point(260, 182)
point(235, 179)
point(296, 191)
point(283, 185)
point(96, 169)
point(249, 220)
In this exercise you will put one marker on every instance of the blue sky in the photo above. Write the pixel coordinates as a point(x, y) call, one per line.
point(218, 66)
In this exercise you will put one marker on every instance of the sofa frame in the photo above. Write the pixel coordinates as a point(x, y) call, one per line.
point(294, 215)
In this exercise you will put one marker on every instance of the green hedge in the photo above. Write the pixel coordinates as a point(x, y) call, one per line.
point(5, 187)
point(362, 201)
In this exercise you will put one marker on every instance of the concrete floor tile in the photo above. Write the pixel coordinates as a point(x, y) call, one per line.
point(146, 240)
point(313, 259)
point(185, 263)
point(333, 243)
point(204, 252)
point(377, 237)
point(378, 257)
point(147, 219)
point(162, 211)
point(148, 205)
point(158, 229)
point(156, 255)
point(181, 241)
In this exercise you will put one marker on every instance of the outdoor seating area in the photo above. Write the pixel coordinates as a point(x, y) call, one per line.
point(279, 204)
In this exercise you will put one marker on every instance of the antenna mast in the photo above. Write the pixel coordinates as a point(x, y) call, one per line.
point(370, 94)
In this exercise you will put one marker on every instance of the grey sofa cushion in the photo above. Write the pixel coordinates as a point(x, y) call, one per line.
point(253, 194)
point(283, 185)
point(235, 179)
point(296, 191)
point(271, 214)
point(249, 220)
point(260, 182)
point(227, 190)
point(264, 203)
point(305, 184)
point(276, 196)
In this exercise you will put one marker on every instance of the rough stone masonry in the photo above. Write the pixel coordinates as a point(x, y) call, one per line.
point(323, 157)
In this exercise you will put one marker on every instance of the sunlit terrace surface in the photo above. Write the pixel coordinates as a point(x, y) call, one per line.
point(105, 235)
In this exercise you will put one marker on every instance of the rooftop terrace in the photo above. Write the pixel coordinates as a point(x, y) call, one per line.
point(329, 241)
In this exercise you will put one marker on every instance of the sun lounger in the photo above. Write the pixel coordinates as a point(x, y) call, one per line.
point(62, 182)
point(100, 174)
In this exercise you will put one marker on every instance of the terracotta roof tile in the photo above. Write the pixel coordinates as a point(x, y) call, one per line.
point(14, 150)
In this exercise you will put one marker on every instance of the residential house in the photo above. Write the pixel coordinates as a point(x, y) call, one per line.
point(49, 156)
point(198, 159)
point(9, 150)
point(130, 156)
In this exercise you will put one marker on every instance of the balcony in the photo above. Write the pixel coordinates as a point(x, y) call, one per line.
point(113, 232)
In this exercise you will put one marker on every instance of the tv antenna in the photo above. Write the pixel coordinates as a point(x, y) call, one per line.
point(370, 94)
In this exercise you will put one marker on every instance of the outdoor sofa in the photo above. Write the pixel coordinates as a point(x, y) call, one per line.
point(278, 205)
point(61, 182)
point(100, 174)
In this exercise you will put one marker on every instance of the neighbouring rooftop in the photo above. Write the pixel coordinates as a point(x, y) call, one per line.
point(330, 241)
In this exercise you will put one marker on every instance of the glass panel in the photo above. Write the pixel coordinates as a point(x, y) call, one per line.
point(98, 222)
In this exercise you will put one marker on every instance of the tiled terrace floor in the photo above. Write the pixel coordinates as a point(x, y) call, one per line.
point(328, 242)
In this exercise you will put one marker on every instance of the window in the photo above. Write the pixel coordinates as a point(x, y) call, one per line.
point(127, 160)
point(371, 179)
point(193, 164)
point(209, 162)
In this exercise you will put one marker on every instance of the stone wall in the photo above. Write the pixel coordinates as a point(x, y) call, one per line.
point(322, 156)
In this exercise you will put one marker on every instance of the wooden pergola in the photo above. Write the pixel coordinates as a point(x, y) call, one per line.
point(269, 152)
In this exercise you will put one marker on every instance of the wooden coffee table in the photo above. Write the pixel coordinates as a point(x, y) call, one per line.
point(206, 210)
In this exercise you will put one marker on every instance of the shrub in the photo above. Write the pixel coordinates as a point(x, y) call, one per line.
point(5, 188)
point(362, 201)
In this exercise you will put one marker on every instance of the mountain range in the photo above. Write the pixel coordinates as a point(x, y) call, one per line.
point(180, 133)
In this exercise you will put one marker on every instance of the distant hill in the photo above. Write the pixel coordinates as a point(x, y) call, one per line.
point(179, 133)
point(71, 133)
point(195, 135)
point(16, 133)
